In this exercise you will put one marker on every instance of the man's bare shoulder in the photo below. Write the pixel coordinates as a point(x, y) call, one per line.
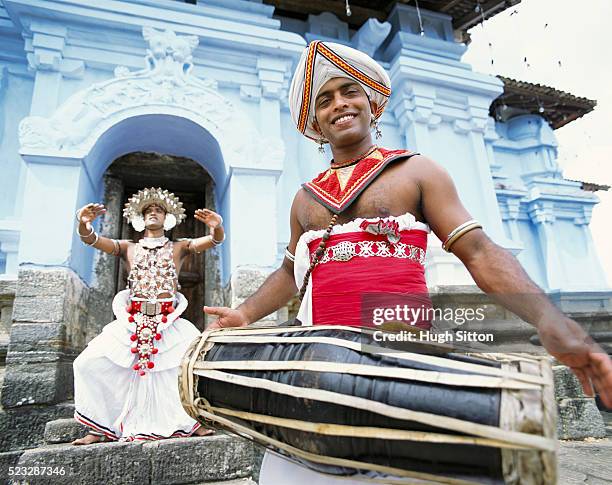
point(302, 199)
point(423, 170)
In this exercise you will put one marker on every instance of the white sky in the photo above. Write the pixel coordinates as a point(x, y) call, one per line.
point(577, 34)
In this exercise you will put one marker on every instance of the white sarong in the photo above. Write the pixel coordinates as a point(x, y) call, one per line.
point(113, 399)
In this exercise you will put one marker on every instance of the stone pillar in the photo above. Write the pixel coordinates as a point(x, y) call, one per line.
point(7, 295)
point(49, 306)
point(579, 417)
point(214, 294)
point(244, 282)
point(106, 266)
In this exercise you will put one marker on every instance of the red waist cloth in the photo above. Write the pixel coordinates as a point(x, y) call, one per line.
point(356, 292)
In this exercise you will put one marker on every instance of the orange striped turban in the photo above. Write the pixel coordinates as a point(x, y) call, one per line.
point(321, 62)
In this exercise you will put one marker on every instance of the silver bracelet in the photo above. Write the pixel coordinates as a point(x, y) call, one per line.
point(215, 242)
point(95, 240)
point(84, 235)
point(288, 255)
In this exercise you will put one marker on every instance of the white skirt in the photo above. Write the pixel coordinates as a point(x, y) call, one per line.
point(111, 397)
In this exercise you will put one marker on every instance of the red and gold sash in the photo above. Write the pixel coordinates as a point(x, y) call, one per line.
point(336, 192)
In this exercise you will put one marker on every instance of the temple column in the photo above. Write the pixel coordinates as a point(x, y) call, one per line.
point(543, 217)
point(45, 54)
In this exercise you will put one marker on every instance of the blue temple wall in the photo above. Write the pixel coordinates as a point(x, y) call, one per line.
point(53, 52)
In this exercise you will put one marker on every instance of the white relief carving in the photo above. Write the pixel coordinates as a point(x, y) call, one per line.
point(166, 82)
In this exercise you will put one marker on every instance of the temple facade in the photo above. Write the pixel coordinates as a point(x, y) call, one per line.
point(82, 85)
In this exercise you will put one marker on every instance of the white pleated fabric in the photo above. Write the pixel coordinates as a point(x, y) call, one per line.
point(111, 398)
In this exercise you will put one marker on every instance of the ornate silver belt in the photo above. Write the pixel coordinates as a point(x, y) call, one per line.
point(347, 250)
point(151, 308)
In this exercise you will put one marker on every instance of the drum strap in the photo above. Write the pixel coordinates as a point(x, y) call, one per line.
point(226, 337)
point(364, 431)
point(434, 377)
point(426, 478)
point(468, 427)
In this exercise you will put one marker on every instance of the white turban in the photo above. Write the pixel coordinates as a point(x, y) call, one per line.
point(321, 62)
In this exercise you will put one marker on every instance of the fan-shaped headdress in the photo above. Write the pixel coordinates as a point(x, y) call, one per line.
point(175, 213)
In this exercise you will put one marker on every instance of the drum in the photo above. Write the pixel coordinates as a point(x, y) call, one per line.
point(334, 399)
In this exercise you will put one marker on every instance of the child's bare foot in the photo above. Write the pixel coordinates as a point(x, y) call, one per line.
point(201, 431)
point(89, 439)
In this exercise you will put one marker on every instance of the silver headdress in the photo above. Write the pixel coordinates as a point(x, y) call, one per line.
point(175, 213)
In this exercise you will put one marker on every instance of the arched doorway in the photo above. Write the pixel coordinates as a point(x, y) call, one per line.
point(162, 109)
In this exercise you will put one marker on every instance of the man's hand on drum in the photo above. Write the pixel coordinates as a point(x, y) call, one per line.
point(570, 344)
point(226, 317)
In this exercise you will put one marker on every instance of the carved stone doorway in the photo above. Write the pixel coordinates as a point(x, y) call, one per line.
point(193, 186)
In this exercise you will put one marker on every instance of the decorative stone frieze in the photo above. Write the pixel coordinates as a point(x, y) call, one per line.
point(166, 85)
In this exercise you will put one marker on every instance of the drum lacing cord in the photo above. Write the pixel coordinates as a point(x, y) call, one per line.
point(318, 255)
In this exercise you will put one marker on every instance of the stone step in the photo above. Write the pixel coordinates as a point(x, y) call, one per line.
point(240, 481)
point(63, 431)
point(24, 426)
point(194, 460)
point(585, 462)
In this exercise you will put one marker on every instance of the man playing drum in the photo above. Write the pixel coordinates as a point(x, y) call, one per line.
point(125, 379)
point(337, 96)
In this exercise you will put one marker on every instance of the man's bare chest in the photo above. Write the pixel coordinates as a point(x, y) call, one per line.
point(384, 197)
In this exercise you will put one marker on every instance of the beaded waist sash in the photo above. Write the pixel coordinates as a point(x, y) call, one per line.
point(347, 250)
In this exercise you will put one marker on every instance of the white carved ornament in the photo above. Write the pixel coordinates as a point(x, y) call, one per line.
point(165, 82)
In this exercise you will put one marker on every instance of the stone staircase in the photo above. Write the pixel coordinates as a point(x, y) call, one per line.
point(221, 459)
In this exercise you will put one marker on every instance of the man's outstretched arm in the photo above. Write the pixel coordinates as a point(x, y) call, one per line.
point(500, 275)
point(85, 217)
point(275, 292)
